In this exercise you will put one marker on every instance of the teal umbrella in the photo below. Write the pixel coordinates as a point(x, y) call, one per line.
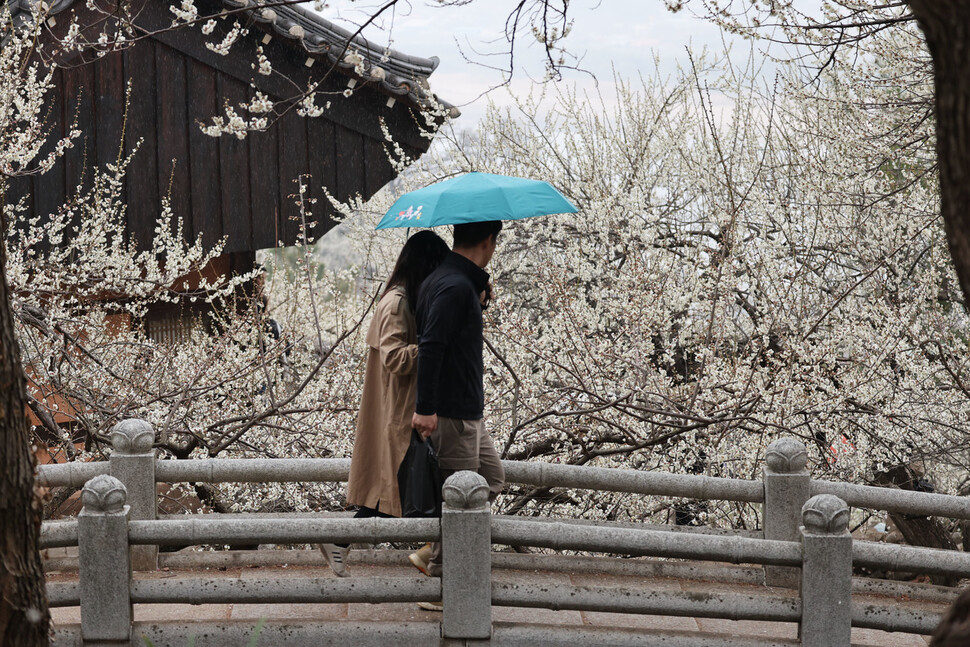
point(475, 197)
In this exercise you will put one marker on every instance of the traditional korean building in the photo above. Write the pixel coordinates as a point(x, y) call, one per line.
point(224, 187)
point(227, 186)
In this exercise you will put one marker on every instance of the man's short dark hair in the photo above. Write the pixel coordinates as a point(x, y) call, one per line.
point(470, 234)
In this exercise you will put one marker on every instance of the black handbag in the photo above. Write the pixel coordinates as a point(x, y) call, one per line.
point(419, 480)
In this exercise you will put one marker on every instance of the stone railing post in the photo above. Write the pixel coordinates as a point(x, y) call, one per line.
point(787, 488)
point(104, 566)
point(133, 463)
point(826, 589)
point(466, 552)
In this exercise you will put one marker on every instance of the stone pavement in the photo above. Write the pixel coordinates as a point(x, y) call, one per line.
point(393, 564)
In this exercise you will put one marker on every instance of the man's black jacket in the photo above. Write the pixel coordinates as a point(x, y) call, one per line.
point(449, 318)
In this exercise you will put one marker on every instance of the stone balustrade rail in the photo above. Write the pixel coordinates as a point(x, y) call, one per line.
point(805, 544)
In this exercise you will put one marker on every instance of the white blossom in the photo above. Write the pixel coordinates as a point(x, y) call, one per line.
point(185, 12)
point(222, 48)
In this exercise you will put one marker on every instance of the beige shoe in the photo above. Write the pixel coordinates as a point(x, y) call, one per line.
point(337, 558)
point(431, 606)
point(420, 559)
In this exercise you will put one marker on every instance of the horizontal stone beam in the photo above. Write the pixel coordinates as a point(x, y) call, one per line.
point(58, 534)
point(729, 606)
point(74, 474)
point(892, 617)
point(63, 594)
point(508, 634)
point(633, 481)
point(894, 557)
point(253, 470)
point(285, 591)
point(627, 541)
point(290, 633)
point(924, 504)
point(215, 529)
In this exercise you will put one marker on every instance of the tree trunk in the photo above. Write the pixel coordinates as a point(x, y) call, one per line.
point(918, 530)
point(946, 26)
point(24, 616)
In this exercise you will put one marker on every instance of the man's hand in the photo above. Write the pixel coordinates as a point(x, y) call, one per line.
point(486, 295)
point(424, 424)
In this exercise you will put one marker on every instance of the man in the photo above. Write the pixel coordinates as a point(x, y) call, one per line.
point(450, 393)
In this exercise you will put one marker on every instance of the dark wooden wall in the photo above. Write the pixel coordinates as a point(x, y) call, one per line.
point(241, 189)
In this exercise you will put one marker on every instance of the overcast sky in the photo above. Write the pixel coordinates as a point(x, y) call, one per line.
point(608, 34)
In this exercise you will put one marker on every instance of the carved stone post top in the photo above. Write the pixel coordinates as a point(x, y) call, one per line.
point(466, 490)
point(786, 456)
point(103, 494)
point(132, 437)
point(825, 514)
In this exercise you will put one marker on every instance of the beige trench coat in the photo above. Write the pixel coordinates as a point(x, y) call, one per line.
point(384, 421)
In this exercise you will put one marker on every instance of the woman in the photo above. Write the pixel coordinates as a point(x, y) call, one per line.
point(384, 421)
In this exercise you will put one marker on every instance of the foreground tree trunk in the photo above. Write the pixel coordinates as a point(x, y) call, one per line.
point(24, 616)
point(946, 25)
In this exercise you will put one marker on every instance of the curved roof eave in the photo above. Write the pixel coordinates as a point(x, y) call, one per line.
point(398, 75)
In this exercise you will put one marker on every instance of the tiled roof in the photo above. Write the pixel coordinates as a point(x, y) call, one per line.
point(397, 74)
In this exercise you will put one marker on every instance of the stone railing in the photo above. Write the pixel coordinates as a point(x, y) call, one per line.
point(805, 544)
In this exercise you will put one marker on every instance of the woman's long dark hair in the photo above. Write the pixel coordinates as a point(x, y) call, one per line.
point(420, 256)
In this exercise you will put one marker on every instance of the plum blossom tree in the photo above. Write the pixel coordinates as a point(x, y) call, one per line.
point(778, 268)
point(881, 40)
point(846, 32)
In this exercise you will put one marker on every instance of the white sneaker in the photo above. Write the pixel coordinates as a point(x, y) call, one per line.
point(337, 558)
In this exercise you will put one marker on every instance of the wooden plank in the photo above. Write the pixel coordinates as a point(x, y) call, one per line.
point(293, 163)
point(173, 134)
point(144, 202)
point(360, 112)
point(234, 169)
point(323, 169)
point(80, 160)
point(238, 64)
point(377, 167)
point(350, 163)
point(203, 154)
point(109, 107)
point(241, 263)
point(264, 187)
point(49, 188)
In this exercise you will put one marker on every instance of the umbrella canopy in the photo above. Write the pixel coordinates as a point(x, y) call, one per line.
point(475, 197)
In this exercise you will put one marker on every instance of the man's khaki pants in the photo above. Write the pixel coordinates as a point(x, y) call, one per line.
point(465, 445)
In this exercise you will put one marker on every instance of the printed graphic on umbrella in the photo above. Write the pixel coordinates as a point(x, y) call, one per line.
point(475, 197)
